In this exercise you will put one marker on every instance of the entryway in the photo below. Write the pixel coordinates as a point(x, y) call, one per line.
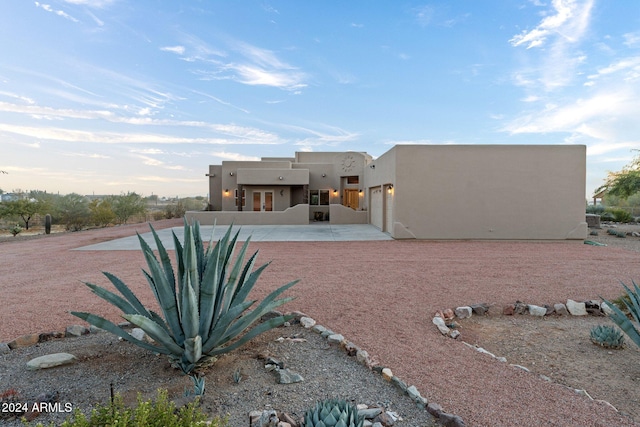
point(263, 201)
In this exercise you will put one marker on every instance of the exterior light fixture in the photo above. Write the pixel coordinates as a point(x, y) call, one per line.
point(280, 178)
point(372, 166)
point(360, 191)
point(210, 175)
point(226, 191)
point(335, 191)
point(230, 173)
point(324, 175)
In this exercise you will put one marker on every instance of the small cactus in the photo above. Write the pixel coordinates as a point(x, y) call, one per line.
point(47, 224)
point(607, 336)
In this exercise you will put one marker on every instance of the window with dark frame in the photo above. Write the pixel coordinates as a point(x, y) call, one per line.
point(244, 193)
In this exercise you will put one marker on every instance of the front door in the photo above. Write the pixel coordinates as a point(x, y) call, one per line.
point(263, 201)
point(351, 199)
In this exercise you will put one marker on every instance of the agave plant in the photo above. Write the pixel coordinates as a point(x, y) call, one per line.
point(607, 336)
point(333, 413)
point(204, 312)
point(621, 319)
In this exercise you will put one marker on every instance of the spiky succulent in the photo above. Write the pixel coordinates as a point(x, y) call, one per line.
point(632, 304)
point(204, 312)
point(607, 336)
point(333, 413)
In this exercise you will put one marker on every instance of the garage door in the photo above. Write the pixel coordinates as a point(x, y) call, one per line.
point(376, 206)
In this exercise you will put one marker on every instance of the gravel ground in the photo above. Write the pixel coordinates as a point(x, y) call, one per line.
point(380, 295)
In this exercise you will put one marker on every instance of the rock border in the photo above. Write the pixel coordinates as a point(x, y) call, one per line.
point(333, 338)
point(445, 322)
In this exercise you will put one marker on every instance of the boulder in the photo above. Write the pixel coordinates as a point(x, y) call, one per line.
point(50, 360)
point(576, 308)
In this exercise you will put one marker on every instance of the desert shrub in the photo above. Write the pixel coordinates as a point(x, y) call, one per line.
point(620, 215)
point(159, 413)
point(595, 209)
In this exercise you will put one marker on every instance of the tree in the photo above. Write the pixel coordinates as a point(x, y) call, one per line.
point(625, 182)
point(23, 208)
point(127, 205)
point(102, 212)
point(73, 211)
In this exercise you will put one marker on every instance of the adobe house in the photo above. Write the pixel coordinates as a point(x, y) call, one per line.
point(412, 191)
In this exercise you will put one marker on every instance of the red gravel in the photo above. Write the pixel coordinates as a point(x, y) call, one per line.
point(381, 295)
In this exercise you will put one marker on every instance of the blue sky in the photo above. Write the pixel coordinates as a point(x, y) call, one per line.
point(110, 96)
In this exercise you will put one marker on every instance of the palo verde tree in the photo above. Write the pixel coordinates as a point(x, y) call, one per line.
point(127, 205)
point(624, 183)
point(23, 208)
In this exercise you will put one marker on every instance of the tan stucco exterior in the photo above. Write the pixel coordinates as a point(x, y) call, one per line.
point(414, 191)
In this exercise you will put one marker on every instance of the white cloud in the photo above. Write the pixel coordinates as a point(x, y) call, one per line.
point(233, 156)
point(632, 39)
point(61, 13)
point(569, 22)
point(179, 50)
point(92, 3)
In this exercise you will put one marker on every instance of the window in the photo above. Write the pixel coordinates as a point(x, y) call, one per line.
point(319, 197)
point(243, 197)
point(353, 180)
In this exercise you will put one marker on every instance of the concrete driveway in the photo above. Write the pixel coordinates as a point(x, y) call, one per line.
point(314, 232)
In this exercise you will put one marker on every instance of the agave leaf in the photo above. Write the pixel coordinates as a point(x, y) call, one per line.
point(223, 323)
point(209, 289)
point(105, 324)
point(248, 283)
point(266, 305)
point(126, 292)
point(165, 293)
point(155, 331)
point(112, 298)
point(190, 316)
point(193, 348)
point(254, 332)
point(164, 258)
point(634, 307)
point(620, 319)
point(234, 275)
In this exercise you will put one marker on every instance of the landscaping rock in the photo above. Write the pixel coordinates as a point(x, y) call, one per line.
point(370, 413)
point(319, 329)
point(287, 376)
point(307, 322)
point(448, 315)
point(385, 419)
point(606, 309)
point(362, 356)
point(509, 310)
point(335, 339)
point(576, 308)
point(4, 348)
point(464, 312)
point(560, 309)
point(387, 374)
point(521, 308)
point(24, 341)
point(75, 331)
point(50, 360)
point(442, 327)
point(480, 309)
point(536, 310)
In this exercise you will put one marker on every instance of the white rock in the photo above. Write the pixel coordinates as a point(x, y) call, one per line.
point(307, 322)
point(454, 334)
point(606, 309)
point(387, 374)
point(463, 312)
point(536, 310)
point(576, 308)
point(335, 338)
point(140, 334)
point(362, 356)
point(442, 327)
point(50, 360)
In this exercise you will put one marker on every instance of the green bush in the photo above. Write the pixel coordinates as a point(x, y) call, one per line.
point(595, 209)
point(619, 215)
point(159, 413)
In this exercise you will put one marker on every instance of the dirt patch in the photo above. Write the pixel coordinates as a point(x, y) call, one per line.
point(104, 362)
point(559, 348)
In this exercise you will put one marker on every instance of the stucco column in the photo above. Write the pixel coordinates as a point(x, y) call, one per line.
point(239, 201)
point(305, 194)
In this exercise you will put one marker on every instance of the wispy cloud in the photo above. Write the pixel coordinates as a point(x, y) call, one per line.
point(233, 156)
point(178, 50)
point(100, 4)
point(559, 33)
point(61, 13)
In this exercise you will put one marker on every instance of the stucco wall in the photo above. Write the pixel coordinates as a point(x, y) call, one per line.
point(485, 192)
point(296, 215)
